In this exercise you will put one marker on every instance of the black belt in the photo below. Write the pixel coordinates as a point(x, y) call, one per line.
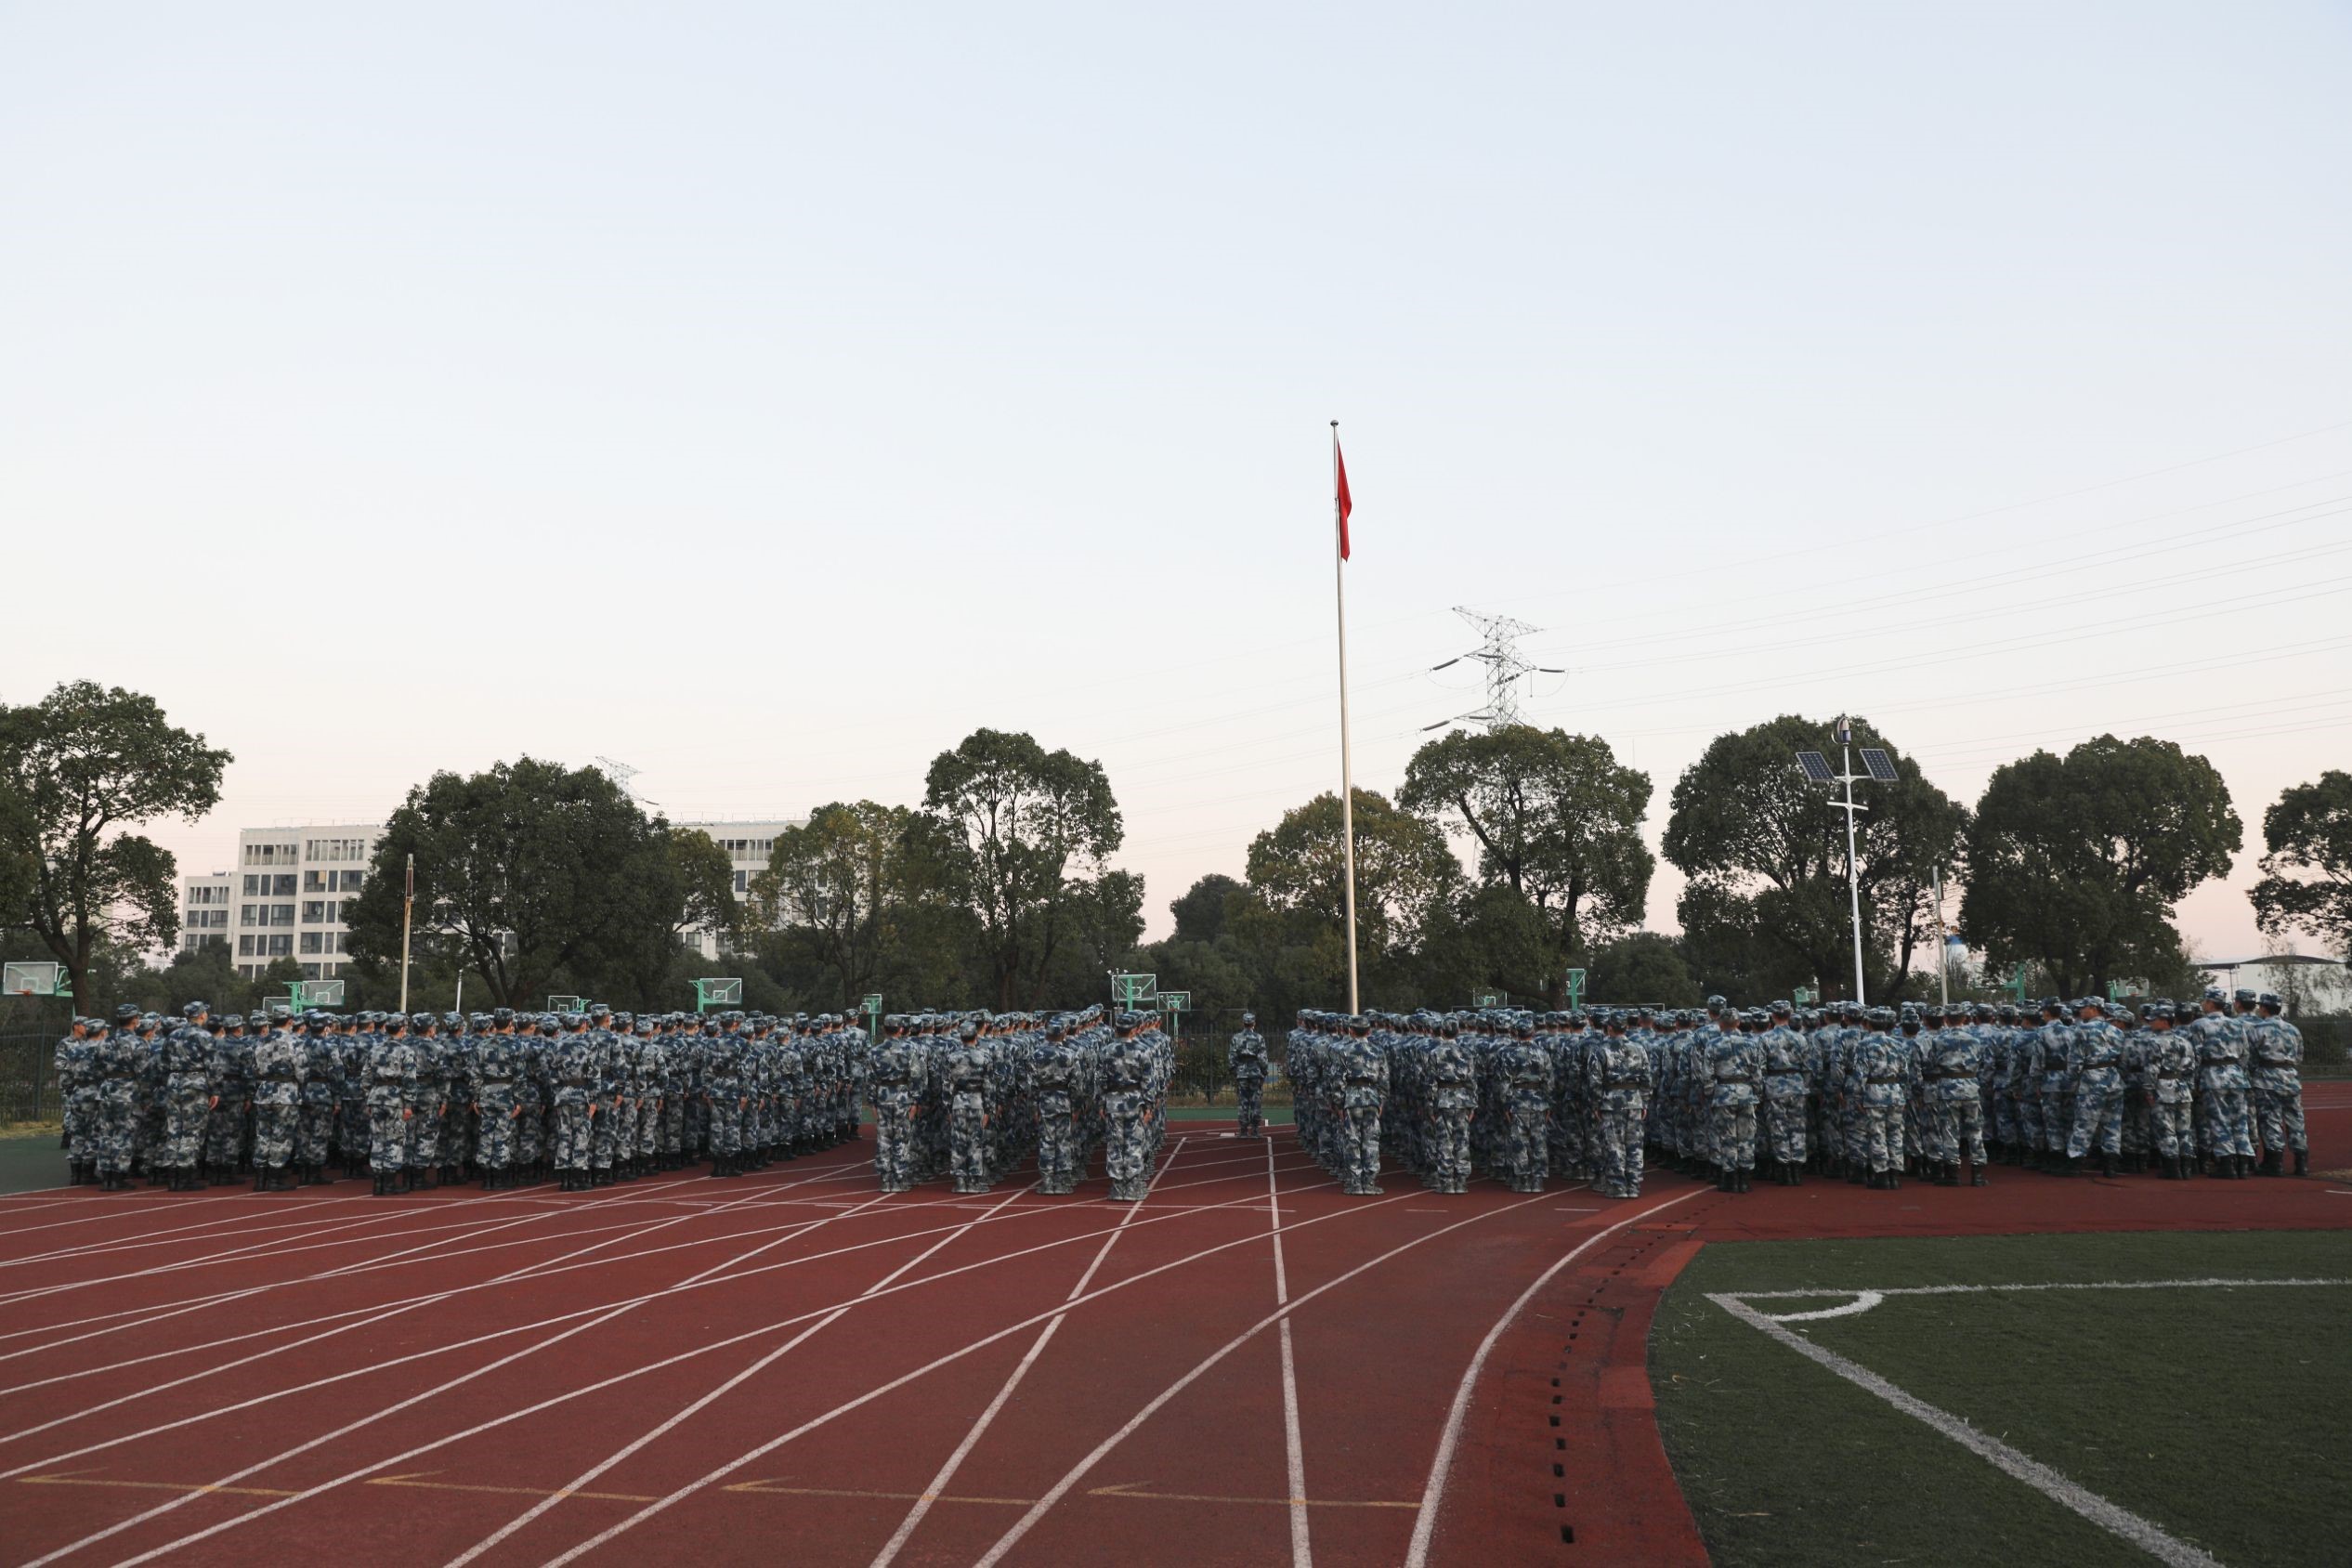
point(1896, 1079)
point(1623, 1083)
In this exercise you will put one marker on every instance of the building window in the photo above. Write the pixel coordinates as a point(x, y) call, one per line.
point(281, 946)
point(742, 881)
point(310, 943)
point(283, 886)
point(313, 911)
point(314, 882)
point(348, 882)
point(253, 886)
point(244, 947)
point(280, 914)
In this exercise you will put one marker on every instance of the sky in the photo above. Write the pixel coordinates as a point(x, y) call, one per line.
point(767, 396)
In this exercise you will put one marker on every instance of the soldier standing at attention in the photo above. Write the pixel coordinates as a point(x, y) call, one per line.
point(2276, 1049)
point(1617, 1080)
point(2221, 1088)
point(1364, 1090)
point(1734, 1068)
point(2095, 1062)
point(280, 1064)
point(1247, 1057)
point(966, 1071)
point(1127, 1081)
point(1453, 1097)
point(1525, 1068)
point(1785, 1067)
point(1876, 1075)
point(573, 1070)
point(77, 1097)
point(391, 1104)
point(187, 1098)
point(891, 1086)
point(2171, 1066)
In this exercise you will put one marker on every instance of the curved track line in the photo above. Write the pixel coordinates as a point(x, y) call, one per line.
point(1442, 1467)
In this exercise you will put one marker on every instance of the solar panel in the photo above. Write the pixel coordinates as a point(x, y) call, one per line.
point(1816, 767)
point(1882, 766)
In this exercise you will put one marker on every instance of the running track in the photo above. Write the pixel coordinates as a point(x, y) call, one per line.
point(1247, 1367)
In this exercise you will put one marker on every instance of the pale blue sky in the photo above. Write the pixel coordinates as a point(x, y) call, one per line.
point(767, 396)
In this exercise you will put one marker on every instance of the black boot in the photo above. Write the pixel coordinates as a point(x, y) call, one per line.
point(2107, 1165)
point(1975, 1174)
point(2073, 1167)
point(1797, 1175)
point(2271, 1162)
point(2303, 1162)
point(1894, 1182)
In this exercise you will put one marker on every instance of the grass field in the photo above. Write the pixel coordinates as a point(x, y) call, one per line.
point(2215, 1413)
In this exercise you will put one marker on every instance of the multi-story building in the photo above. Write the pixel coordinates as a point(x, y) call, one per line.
point(203, 912)
point(285, 897)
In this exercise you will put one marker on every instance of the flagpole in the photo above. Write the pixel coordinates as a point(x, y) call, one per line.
point(1347, 773)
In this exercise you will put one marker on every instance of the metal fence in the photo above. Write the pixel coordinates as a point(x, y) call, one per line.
point(29, 1076)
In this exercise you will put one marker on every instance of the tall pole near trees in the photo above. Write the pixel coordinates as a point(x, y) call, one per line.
point(1340, 507)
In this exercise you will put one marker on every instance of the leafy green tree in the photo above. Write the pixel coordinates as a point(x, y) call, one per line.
point(1404, 871)
point(1642, 966)
point(829, 904)
point(1200, 913)
point(2075, 863)
point(2307, 873)
point(529, 873)
point(1766, 856)
point(1023, 835)
point(77, 769)
point(1557, 821)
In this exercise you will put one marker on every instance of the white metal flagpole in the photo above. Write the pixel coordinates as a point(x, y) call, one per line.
point(408, 912)
point(1346, 771)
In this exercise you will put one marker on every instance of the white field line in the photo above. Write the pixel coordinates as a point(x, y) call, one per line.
point(946, 1471)
point(378, 1315)
point(1294, 1449)
point(2143, 1533)
point(1865, 1299)
point(588, 1477)
point(556, 1266)
point(688, 1355)
point(54, 1459)
point(765, 1329)
point(158, 1308)
point(274, 1218)
point(155, 1312)
point(1441, 1464)
point(350, 1427)
point(367, 1316)
point(1077, 1472)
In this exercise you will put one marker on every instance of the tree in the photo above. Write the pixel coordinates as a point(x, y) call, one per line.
point(1643, 966)
point(2076, 863)
point(1766, 856)
point(1023, 835)
point(1200, 913)
point(828, 902)
point(76, 770)
point(1557, 821)
point(526, 873)
point(2307, 873)
point(1403, 870)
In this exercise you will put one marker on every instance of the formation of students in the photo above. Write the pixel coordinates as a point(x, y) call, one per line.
point(1866, 1094)
point(425, 1099)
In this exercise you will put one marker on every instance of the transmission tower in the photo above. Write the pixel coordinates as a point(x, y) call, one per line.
point(621, 773)
point(1505, 668)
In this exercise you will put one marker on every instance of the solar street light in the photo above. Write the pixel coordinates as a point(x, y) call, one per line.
point(1881, 770)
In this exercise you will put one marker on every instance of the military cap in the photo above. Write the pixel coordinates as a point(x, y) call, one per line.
point(2243, 996)
point(2269, 998)
point(126, 1013)
point(2214, 993)
point(195, 1009)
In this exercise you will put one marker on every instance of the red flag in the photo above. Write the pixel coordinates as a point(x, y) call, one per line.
point(1345, 505)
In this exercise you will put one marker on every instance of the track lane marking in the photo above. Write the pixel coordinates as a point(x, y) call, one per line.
point(946, 1471)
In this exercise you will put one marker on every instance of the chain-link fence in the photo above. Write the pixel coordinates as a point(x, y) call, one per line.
point(28, 1076)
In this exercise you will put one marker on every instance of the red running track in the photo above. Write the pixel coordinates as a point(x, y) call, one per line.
point(789, 1364)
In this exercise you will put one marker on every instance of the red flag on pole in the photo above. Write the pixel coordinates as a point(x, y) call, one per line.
point(1344, 503)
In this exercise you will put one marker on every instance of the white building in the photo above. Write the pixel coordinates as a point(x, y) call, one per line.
point(285, 897)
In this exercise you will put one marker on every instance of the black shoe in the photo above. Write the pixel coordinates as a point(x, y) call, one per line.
point(2303, 1162)
point(1894, 1182)
point(2107, 1165)
point(1975, 1175)
point(2270, 1163)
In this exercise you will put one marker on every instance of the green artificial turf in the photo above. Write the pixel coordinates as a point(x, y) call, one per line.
point(2219, 1414)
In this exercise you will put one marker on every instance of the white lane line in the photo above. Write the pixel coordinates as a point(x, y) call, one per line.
point(1077, 1472)
point(947, 1472)
point(2033, 1284)
point(255, 1253)
point(277, 1215)
point(52, 1460)
point(1441, 1464)
point(2144, 1534)
point(543, 1323)
point(588, 1477)
point(380, 1312)
point(344, 1431)
point(1294, 1450)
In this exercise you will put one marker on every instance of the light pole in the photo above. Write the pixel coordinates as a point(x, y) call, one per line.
point(1881, 768)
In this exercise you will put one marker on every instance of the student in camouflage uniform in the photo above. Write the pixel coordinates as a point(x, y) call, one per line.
point(280, 1063)
point(1875, 1080)
point(1128, 1074)
point(1246, 1055)
point(77, 1099)
point(1617, 1079)
point(1453, 1098)
point(321, 1093)
point(186, 1097)
point(966, 1069)
point(573, 1070)
point(2221, 1089)
point(2275, 1050)
point(894, 1086)
point(1954, 1070)
point(1732, 1070)
point(1525, 1071)
point(392, 1087)
point(2095, 1067)
point(2170, 1068)
point(1787, 1071)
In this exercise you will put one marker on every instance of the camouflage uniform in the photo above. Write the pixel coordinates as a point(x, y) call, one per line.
point(2275, 1047)
point(392, 1084)
point(2221, 1089)
point(893, 1086)
point(1734, 1072)
point(1617, 1080)
point(1875, 1080)
point(1787, 1074)
point(1247, 1056)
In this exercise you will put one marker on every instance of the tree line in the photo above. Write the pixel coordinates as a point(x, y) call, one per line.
point(1505, 858)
